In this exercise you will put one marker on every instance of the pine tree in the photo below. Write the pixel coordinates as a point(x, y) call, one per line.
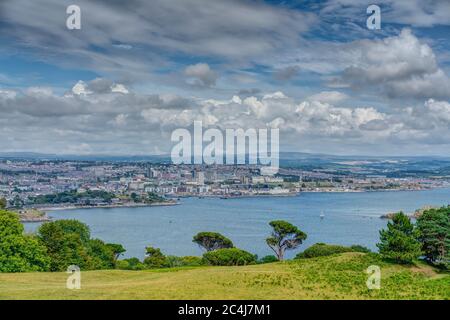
point(434, 227)
point(399, 242)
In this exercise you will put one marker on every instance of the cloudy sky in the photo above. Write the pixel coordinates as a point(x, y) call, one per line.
point(139, 69)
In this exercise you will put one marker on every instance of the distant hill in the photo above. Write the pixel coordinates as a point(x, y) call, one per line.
point(55, 157)
point(284, 156)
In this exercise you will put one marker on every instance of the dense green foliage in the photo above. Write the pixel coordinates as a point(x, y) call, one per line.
point(148, 198)
point(285, 236)
point(155, 258)
point(117, 250)
point(229, 257)
point(19, 252)
point(72, 197)
point(359, 248)
point(130, 264)
point(153, 197)
point(212, 241)
point(68, 243)
point(321, 250)
point(400, 241)
point(187, 261)
point(434, 228)
point(101, 255)
point(268, 259)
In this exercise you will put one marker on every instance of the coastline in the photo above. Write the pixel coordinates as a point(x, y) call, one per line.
point(206, 196)
point(128, 205)
point(37, 220)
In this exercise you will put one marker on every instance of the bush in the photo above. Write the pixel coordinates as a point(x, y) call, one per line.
point(358, 248)
point(130, 264)
point(321, 250)
point(268, 259)
point(229, 257)
point(188, 261)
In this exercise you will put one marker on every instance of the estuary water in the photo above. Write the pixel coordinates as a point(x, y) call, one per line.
point(348, 218)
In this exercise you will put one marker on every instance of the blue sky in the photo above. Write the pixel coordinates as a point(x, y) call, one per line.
point(136, 71)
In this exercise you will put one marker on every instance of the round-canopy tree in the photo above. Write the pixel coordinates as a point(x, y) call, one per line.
point(212, 241)
point(285, 236)
point(19, 252)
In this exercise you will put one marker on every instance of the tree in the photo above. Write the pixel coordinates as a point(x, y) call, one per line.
point(117, 250)
point(69, 242)
point(212, 241)
point(399, 241)
point(75, 226)
point(3, 203)
point(155, 258)
point(434, 228)
point(19, 252)
point(101, 255)
point(285, 236)
point(130, 264)
point(64, 248)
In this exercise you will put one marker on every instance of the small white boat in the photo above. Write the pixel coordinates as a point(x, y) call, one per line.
point(322, 216)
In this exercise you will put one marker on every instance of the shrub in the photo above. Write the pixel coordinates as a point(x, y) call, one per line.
point(268, 259)
point(188, 261)
point(122, 265)
point(358, 248)
point(130, 264)
point(229, 257)
point(321, 250)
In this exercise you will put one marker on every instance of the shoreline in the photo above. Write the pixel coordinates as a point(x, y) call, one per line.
point(134, 205)
point(224, 197)
point(37, 220)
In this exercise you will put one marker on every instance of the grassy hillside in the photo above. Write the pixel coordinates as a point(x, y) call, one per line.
point(335, 277)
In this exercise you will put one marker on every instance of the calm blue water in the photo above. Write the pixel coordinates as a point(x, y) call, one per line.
point(350, 218)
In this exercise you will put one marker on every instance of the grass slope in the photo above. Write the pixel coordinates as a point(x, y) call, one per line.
point(335, 277)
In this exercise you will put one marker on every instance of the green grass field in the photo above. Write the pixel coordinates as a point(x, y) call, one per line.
point(335, 277)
